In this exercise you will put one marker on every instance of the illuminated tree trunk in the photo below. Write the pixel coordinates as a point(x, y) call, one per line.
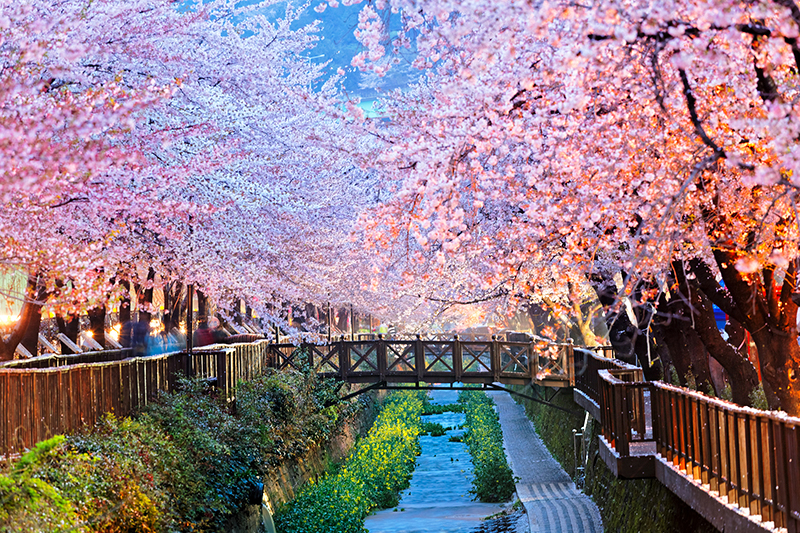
point(173, 302)
point(764, 306)
point(29, 317)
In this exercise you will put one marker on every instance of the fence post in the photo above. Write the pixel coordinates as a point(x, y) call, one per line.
point(419, 358)
point(381, 356)
point(570, 362)
point(458, 357)
point(495, 354)
point(222, 374)
point(344, 359)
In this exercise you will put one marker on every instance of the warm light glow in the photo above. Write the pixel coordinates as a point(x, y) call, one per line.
point(89, 333)
point(114, 332)
point(7, 320)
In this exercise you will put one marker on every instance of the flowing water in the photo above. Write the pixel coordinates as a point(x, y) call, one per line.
point(438, 499)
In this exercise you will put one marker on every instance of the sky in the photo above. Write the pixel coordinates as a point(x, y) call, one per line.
point(338, 45)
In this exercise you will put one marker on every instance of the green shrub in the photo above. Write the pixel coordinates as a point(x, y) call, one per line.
point(185, 464)
point(493, 479)
point(437, 409)
point(434, 429)
point(27, 502)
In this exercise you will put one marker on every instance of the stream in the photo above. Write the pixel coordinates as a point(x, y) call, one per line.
point(438, 498)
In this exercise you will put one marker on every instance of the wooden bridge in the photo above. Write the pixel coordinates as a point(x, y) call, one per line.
point(416, 360)
point(738, 467)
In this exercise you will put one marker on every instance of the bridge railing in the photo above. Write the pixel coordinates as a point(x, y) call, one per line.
point(588, 362)
point(433, 360)
point(625, 409)
point(750, 456)
point(56, 360)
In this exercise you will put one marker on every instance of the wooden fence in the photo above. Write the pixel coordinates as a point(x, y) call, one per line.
point(743, 456)
point(37, 403)
point(750, 457)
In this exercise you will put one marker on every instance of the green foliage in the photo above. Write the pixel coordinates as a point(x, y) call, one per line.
point(673, 376)
point(185, 464)
point(727, 393)
point(493, 481)
point(28, 503)
point(377, 470)
point(691, 380)
point(437, 409)
point(434, 429)
point(758, 398)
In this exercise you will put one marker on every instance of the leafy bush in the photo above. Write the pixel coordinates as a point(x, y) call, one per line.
point(434, 429)
point(493, 480)
point(372, 476)
point(184, 464)
point(437, 409)
point(30, 503)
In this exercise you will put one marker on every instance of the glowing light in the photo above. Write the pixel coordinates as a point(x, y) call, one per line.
point(7, 320)
point(114, 332)
point(89, 333)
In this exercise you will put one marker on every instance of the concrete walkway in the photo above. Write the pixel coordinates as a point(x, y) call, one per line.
point(553, 503)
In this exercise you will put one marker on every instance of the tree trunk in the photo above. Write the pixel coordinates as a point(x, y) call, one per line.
point(766, 309)
point(125, 304)
point(29, 317)
point(173, 302)
point(202, 310)
point(97, 324)
point(69, 326)
point(146, 298)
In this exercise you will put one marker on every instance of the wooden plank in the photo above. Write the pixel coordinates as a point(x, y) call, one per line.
point(23, 352)
point(696, 453)
point(733, 457)
point(66, 340)
point(744, 455)
point(48, 346)
point(704, 429)
point(768, 510)
point(681, 421)
point(716, 456)
point(5, 431)
point(756, 431)
point(724, 447)
point(793, 478)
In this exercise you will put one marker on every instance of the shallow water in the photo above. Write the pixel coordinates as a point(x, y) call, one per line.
point(438, 499)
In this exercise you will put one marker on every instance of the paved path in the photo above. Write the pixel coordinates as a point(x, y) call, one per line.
point(553, 503)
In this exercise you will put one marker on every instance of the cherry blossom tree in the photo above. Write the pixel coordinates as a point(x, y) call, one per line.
point(551, 142)
point(165, 137)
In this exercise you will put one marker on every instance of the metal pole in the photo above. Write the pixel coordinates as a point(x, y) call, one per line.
point(189, 312)
point(352, 324)
point(328, 320)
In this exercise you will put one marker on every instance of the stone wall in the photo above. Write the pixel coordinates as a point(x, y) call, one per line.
point(627, 506)
point(283, 481)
